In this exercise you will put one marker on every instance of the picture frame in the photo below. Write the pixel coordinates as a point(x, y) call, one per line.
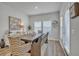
point(14, 24)
point(74, 10)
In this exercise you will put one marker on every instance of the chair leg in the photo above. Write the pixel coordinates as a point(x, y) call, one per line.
point(11, 55)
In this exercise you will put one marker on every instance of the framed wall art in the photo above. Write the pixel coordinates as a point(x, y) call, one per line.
point(14, 24)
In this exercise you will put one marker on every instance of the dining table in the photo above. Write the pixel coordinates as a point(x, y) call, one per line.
point(29, 38)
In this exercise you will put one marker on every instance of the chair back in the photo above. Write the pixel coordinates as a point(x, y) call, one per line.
point(36, 47)
point(14, 45)
point(37, 44)
point(44, 38)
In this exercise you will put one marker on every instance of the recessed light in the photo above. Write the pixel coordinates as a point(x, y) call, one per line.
point(36, 7)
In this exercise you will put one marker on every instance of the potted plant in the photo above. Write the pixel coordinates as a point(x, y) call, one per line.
point(29, 27)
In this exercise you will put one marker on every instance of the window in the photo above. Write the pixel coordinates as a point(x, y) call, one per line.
point(37, 26)
point(67, 31)
point(44, 26)
point(47, 26)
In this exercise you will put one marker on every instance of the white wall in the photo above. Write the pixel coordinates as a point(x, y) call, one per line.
point(44, 17)
point(75, 36)
point(74, 31)
point(6, 11)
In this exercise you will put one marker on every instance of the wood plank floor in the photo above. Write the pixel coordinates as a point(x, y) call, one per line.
point(54, 49)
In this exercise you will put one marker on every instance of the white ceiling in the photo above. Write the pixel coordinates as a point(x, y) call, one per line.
point(29, 7)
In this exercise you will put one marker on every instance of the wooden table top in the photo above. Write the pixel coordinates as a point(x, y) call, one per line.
point(26, 37)
point(30, 37)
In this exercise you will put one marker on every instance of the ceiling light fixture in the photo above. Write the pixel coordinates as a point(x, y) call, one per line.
point(36, 7)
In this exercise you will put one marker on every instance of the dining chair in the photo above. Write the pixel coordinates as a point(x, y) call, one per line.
point(44, 43)
point(18, 49)
point(44, 38)
point(39, 45)
point(47, 37)
point(36, 47)
point(5, 51)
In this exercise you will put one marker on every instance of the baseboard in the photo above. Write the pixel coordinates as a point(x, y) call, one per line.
point(65, 52)
point(62, 47)
point(53, 39)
